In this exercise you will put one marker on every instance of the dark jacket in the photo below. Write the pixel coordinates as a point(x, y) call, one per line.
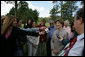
point(8, 46)
point(28, 25)
point(66, 41)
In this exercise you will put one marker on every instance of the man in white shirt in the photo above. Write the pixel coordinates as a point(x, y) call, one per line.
point(79, 27)
point(76, 47)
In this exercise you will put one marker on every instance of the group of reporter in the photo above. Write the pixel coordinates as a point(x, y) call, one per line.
point(57, 40)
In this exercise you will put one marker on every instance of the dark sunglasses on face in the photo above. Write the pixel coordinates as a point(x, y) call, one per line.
point(51, 23)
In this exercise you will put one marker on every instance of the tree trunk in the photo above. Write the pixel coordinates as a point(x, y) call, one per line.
point(15, 9)
point(61, 8)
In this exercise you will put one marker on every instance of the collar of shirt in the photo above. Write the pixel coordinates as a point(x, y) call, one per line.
point(52, 27)
point(80, 36)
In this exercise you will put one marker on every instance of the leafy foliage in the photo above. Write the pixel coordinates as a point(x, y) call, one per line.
point(24, 12)
point(64, 8)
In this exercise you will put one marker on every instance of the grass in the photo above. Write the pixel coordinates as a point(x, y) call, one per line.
point(25, 50)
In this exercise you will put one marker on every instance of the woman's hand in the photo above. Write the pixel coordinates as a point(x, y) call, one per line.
point(55, 51)
point(60, 38)
point(34, 45)
point(42, 28)
point(41, 33)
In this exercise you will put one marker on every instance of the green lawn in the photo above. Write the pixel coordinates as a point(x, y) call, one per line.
point(25, 49)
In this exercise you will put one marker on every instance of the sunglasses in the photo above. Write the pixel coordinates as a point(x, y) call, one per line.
point(51, 23)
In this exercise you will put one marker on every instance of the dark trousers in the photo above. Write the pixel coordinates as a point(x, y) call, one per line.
point(49, 47)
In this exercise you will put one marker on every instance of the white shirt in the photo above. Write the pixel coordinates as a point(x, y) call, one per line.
point(34, 40)
point(77, 49)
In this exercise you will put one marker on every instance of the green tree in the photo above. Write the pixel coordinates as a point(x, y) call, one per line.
point(68, 8)
point(55, 10)
point(15, 4)
point(82, 3)
point(24, 13)
point(64, 8)
point(23, 10)
point(12, 12)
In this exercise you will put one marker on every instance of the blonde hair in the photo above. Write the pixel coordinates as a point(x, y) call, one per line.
point(8, 22)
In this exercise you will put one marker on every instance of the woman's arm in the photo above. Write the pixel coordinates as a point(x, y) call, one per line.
point(65, 42)
point(24, 32)
point(30, 29)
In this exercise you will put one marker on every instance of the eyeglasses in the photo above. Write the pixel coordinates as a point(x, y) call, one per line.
point(51, 23)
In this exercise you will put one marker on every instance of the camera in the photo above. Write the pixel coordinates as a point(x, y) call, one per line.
point(57, 35)
point(46, 30)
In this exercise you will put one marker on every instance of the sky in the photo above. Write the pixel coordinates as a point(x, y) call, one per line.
point(43, 7)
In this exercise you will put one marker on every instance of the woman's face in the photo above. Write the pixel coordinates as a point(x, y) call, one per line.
point(42, 23)
point(34, 24)
point(51, 24)
point(15, 23)
point(29, 21)
point(20, 23)
point(58, 25)
point(66, 24)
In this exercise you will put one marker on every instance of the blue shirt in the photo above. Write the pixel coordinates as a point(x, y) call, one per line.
point(51, 30)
